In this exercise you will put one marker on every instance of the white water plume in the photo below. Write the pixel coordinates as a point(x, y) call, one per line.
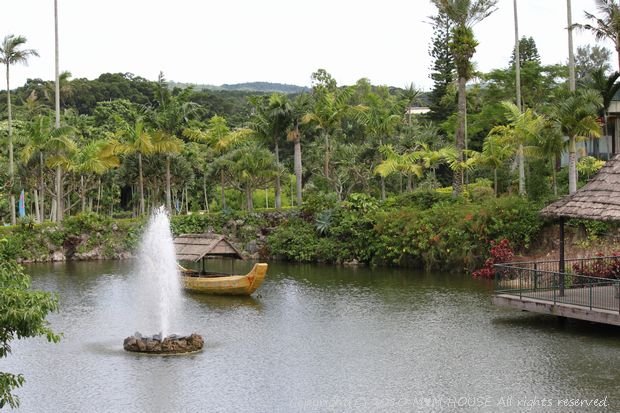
point(158, 271)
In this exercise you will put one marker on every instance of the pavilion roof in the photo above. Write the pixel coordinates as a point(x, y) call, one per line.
point(193, 247)
point(599, 199)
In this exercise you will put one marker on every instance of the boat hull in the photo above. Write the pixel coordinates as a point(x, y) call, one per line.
point(229, 285)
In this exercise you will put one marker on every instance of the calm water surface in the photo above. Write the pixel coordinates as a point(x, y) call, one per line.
point(315, 338)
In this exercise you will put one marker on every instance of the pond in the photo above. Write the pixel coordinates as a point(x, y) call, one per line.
point(314, 338)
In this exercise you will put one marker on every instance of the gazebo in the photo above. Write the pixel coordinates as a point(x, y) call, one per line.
point(598, 200)
point(574, 290)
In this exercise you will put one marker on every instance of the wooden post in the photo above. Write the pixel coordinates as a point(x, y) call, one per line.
point(561, 263)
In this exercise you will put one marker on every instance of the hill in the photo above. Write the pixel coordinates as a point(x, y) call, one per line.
point(265, 87)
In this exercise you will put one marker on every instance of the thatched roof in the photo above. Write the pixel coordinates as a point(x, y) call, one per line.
point(599, 199)
point(193, 247)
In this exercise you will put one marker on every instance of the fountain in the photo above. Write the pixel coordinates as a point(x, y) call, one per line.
point(160, 281)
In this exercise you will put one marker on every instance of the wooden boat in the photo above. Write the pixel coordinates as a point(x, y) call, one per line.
point(199, 247)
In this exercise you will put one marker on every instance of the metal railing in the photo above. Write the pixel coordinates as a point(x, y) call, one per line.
point(592, 283)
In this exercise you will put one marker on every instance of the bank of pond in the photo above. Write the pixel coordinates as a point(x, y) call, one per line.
point(423, 229)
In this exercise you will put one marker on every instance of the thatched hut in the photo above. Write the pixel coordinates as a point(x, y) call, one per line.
point(196, 247)
point(599, 200)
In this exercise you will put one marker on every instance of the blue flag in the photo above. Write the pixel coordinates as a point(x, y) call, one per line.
point(22, 204)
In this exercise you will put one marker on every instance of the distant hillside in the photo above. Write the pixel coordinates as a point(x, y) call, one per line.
point(265, 87)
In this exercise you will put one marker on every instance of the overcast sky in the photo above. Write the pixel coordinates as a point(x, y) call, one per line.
point(234, 41)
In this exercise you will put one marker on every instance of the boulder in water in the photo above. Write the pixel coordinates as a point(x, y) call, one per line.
point(173, 344)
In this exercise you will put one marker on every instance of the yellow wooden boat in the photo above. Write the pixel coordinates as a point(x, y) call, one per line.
point(224, 284)
point(199, 247)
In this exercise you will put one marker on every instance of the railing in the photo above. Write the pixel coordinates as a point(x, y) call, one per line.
point(592, 283)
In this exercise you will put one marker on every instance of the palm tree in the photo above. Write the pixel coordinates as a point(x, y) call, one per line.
point(96, 157)
point(61, 146)
point(607, 87)
point(168, 145)
point(219, 136)
point(522, 127)
point(494, 154)
point(549, 146)
point(393, 162)
point(299, 108)
point(271, 122)
point(464, 14)
point(249, 166)
point(411, 95)
point(135, 139)
point(40, 137)
point(329, 109)
point(11, 53)
point(575, 115)
point(380, 121)
point(606, 27)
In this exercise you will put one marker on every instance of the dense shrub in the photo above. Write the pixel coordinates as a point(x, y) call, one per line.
point(454, 235)
point(297, 240)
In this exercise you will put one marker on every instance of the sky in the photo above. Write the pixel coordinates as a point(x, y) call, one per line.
point(234, 41)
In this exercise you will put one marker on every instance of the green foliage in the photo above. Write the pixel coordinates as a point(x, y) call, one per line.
point(297, 240)
point(421, 198)
point(22, 314)
point(454, 235)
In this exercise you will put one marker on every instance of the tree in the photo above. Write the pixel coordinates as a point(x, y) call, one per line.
point(171, 117)
point(220, 137)
point(380, 121)
point(522, 128)
point(575, 116)
point(300, 106)
point(463, 14)
point(41, 139)
point(135, 139)
point(393, 162)
point(494, 154)
point(528, 52)
point(590, 58)
point(168, 145)
point(271, 122)
point(22, 314)
point(607, 26)
point(11, 53)
point(96, 158)
point(607, 87)
point(249, 166)
point(329, 108)
point(443, 68)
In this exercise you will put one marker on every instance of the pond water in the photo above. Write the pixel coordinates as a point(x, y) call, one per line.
point(313, 338)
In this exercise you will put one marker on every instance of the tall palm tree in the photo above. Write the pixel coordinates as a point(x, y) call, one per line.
point(61, 147)
point(271, 122)
point(11, 52)
point(380, 121)
point(171, 118)
point(464, 14)
point(135, 139)
point(575, 115)
point(299, 107)
point(607, 26)
point(329, 109)
point(167, 145)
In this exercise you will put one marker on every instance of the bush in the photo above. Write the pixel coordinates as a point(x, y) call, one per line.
point(297, 240)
